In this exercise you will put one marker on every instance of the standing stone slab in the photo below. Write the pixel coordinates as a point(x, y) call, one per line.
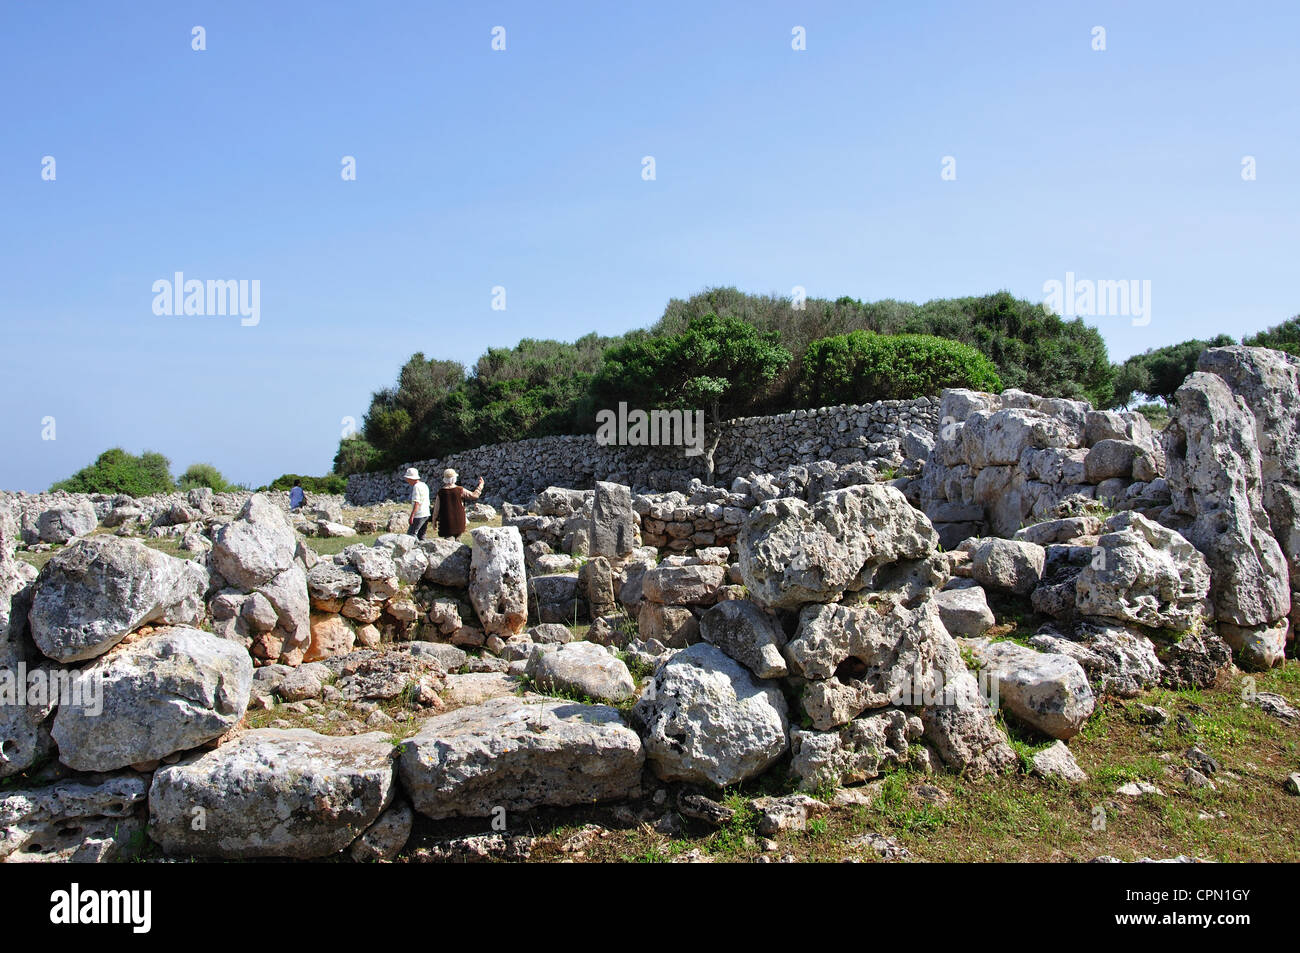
point(520, 753)
point(613, 522)
point(498, 586)
point(273, 793)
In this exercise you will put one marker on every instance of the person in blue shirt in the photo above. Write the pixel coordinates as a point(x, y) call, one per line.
point(296, 496)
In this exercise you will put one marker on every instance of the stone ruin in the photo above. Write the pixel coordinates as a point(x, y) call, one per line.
point(826, 621)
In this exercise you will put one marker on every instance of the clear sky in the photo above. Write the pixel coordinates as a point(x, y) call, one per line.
point(522, 168)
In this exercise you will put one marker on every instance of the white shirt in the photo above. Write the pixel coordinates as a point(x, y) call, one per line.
point(420, 497)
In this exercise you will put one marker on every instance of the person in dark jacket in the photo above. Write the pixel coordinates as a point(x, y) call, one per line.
point(449, 512)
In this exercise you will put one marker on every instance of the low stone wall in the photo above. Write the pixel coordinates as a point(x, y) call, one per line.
point(519, 470)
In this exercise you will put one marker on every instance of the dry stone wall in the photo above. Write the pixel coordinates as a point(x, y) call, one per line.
point(519, 470)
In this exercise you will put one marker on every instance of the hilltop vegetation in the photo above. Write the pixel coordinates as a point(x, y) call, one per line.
point(843, 351)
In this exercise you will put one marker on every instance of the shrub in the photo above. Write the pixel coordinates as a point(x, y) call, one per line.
point(204, 474)
point(1280, 337)
point(332, 484)
point(862, 367)
point(356, 454)
point(116, 471)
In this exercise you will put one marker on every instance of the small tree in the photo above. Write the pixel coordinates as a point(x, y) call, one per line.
point(862, 367)
point(204, 475)
point(355, 455)
point(1160, 371)
point(116, 471)
point(714, 364)
point(1280, 337)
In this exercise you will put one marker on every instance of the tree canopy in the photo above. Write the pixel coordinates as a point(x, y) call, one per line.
point(116, 471)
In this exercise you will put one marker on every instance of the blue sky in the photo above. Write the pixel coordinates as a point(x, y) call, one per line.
point(522, 168)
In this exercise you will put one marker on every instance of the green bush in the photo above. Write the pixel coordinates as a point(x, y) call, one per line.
point(116, 471)
point(331, 484)
point(204, 474)
point(1280, 337)
point(1158, 372)
point(541, 387)
point(356, 455)
point(862, 367)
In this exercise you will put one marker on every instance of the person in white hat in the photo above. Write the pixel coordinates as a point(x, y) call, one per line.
point(419, 521)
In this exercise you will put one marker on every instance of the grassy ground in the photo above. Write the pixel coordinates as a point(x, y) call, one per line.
point(323, 547)
point(940, 817)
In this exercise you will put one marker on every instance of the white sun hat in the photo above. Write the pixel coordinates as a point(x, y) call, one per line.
point(412, 473)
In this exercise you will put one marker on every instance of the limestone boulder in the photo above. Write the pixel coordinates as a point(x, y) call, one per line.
point(61, 523)
point(1007, 564)
point(498, 585)
point(707, 720)
point(520, 753)
point(89, 596)
point(1215, 482)
point(792, 553)
point(1046, 691)
point(273, 793)
point(964, 611)
point(583, 669)
point(613, 521)
point(448, 560)
point(749, 635)
point(1144, 574)
point(168, 692)
point(256, 546)
point(77, 820)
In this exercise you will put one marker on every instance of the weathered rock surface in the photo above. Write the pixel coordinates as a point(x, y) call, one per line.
point(682, 585)
point(386, 837)
point(856, 752)
point(168, 692)
point(964, 611)
point(273, 793)
point(61, 523)
point(584, 669)
point(255, 547)
point(448, 562)
point(87, 820)
point(519, 753)
point(1215, 483)
point(498, 587)
point(748, 634)
point(792, 553)
point(1118, 661)
point(708, 720)
point(1058, 762)
point(1048, 692)
point(613, 522)
point(1008, 564)
point(92, 594)
point(1144, 574)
